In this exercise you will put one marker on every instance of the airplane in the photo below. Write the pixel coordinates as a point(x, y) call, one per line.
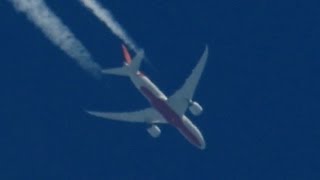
point(164, 110)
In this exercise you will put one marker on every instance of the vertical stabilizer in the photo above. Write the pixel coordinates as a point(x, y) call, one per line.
point(126, 54)
point(131, 66)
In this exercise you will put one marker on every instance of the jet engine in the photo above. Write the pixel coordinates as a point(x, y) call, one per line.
point(154, 131)
point(195, 108)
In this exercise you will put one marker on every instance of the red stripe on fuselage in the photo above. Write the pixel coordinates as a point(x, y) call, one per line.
point(172, 117)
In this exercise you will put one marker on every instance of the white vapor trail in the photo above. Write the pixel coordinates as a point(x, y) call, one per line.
point(106, 17)
point(58, 33)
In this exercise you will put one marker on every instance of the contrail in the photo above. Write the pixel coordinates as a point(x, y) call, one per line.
point(106, 17)
point(58, 33)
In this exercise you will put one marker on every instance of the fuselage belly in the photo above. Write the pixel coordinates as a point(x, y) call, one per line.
point(158, 101)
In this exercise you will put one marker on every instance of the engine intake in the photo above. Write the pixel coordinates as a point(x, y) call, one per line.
point(195, 108)
point(154, 131)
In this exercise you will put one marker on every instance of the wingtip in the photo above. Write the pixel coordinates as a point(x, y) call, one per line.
point(206, 51)
point(92, 113)
point(88, 112)
point(206, 47)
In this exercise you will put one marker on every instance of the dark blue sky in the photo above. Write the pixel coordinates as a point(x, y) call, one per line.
point(260, 92)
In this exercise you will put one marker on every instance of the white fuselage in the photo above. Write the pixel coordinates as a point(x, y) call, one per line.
point(159, 102)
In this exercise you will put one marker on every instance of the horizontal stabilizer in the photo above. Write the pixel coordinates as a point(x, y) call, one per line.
point(134, 66)
point(129, 68)
point(121, 71)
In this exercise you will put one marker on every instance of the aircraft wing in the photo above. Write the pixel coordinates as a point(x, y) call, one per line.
point(148, 115)
point(180, 100)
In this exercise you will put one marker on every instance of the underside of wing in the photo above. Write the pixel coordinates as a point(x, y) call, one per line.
point(180, 100)
point(148, 115)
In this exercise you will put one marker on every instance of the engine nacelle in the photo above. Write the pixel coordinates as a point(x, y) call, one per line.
point(154, 131)
point(195, 108)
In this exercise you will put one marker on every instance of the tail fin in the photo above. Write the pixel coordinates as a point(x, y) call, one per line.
point(130, 66)
point(126, 54)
